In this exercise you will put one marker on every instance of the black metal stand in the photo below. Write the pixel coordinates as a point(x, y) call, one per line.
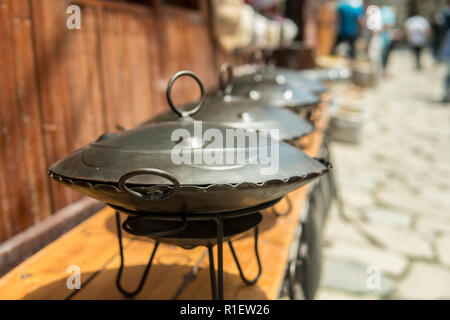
point(248, 282)
point(216, 281)
point(119, 274)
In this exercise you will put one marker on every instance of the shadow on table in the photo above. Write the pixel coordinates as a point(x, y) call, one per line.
point(163, 282)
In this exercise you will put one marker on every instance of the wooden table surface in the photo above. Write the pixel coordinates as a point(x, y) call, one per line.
point(93, 248)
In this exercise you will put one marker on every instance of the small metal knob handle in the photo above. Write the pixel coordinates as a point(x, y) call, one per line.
point(226, 84)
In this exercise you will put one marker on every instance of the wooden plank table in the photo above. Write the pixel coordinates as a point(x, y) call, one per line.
point(93, 247)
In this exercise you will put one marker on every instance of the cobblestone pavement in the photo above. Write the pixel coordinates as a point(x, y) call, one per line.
point(395, 186)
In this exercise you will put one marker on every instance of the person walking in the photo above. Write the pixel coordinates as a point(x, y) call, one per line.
point(388, 34)
point(437, 34)
point(349, 13)
point(418, 32)
point(374, 25)
point(445, 51)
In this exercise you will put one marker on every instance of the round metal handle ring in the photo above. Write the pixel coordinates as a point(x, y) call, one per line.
point(147, 171)
point(179, 112)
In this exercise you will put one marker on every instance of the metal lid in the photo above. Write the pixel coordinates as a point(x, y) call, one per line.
point(279, 93)
point(279, 75)
point(240, 112)
point(159, 148)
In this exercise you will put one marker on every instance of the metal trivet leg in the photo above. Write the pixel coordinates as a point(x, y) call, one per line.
point(249, 282)
point(217, 282)
point(217, 285)
point(131, 294)
point(212, 273)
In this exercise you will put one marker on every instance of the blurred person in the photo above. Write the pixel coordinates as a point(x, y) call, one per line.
point(438, 34)
point(388, 34)
point(349, 13)
point(418, 31)
point(374, 24)
point(445, 50)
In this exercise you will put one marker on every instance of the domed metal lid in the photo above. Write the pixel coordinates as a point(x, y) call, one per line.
point(283, 76)
point(279, 93)
point(186, 152)
point(240, 112)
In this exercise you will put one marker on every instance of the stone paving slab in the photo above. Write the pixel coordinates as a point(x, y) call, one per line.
point(337, 229)
point(387, 216)
point(353, 278)
point(443, 248)
point(327, 294)
point(403, 241)
point(389, 262)
point(425, 281)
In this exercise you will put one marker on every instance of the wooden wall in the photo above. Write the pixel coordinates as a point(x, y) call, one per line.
point(60, 88)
